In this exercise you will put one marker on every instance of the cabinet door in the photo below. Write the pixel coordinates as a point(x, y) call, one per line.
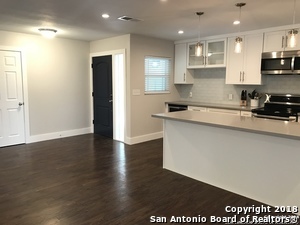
point(193, 60)
point(234, 66)
point(224, 111)
point(181, 74)
point(253, 45)
point(215, 53)
point(274, 41)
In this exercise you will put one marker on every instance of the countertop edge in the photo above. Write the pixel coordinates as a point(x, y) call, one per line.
point(249, 126)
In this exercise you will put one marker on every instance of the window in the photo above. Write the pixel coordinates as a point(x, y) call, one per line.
point(157, 75)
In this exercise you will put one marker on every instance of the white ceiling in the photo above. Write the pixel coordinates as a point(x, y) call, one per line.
point(81, 19)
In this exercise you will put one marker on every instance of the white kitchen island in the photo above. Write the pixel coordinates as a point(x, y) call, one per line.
point(253, 157)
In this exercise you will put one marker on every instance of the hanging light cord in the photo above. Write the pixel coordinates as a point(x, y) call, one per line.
point(240, 19)
point(199, 29)
point(294, 16)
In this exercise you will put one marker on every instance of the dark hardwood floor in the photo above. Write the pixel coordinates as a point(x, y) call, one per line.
point(90, 179)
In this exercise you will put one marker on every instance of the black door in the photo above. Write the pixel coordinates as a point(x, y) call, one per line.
point(102, 92)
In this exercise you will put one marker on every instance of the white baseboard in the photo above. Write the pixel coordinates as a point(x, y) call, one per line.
point(56, 135)
point(143, 138)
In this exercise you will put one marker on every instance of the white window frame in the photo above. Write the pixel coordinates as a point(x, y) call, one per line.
point(166, 76)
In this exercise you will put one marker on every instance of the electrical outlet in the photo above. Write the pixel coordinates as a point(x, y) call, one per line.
point(191, 94)
point(230, 97)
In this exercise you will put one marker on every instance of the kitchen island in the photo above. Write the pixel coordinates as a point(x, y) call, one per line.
point(253, 157)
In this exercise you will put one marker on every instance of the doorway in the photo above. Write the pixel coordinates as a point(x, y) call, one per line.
point(116, 96)
point(12, 120)
point(103, 95)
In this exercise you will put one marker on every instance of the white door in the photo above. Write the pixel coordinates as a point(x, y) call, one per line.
point(12, 126)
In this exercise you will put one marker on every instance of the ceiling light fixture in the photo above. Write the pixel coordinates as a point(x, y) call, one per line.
point(293, 33)
point(239, 40)
point(105, 16)
point(199, 46)
point(47, 33)
point(180, 32)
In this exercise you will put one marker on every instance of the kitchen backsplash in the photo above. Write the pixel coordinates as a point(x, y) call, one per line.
point(209, 86)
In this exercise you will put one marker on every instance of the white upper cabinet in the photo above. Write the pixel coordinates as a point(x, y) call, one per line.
point(278, 41)
point(214, 54)
point(244, 68)
point(181, 74)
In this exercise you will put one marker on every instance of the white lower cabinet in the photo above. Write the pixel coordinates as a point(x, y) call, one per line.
point(221, 111)
point(224, 111)
point(197, 108)
point(246, 113)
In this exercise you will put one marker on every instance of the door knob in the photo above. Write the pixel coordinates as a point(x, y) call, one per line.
point(110, 100)
point(21, 103)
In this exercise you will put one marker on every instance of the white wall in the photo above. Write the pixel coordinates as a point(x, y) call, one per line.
point(58, 85)
point(140, 126)
point(107, 46)
point(143, 106)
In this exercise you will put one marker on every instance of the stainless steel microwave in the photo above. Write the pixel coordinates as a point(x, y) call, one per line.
point(280, 63)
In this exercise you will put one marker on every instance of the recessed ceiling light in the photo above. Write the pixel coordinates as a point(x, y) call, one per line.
point(47, 32)
point(105, 16)
point(236, 22)
point(180, 32)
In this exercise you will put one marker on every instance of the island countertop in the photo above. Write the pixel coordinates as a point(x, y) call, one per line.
point(253, 157)
point(250, 124)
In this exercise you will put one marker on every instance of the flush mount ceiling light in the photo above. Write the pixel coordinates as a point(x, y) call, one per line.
point(239, 40)
point(293, 33)
point(47, 33)
point(180, 32)
point(105, 16)
point(199, 46)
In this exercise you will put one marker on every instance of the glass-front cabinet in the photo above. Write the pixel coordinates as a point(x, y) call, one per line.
point(214, 54)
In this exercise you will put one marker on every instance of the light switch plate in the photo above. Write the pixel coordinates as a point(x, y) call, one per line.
point(136, 92)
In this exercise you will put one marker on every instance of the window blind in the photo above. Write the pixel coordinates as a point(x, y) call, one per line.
point(157, 74)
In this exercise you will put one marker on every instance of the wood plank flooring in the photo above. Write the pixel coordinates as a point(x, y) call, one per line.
point(90, 179)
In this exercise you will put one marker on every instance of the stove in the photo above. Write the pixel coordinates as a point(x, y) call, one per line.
point(284, 107)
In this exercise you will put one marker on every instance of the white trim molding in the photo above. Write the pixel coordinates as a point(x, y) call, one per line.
point(143, 138)
point(56, 135)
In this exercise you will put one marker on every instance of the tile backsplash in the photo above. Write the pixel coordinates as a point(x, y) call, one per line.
point(209, 86)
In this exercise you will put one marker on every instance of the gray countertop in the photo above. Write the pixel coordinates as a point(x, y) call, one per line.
point(213, 105)
point(251, 124)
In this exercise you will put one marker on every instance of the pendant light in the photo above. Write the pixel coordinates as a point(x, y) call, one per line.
point(199, 46)
point(293, 33)
point(239, 41)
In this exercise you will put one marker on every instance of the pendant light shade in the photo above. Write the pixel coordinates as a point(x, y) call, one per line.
point(199, 46)
point(292, 36)
point(293, 33)
point(199, 49)
point(239, 41)
point(238, 45)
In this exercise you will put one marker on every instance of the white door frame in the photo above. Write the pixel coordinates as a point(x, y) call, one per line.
point(25, 86)
point(120, 136)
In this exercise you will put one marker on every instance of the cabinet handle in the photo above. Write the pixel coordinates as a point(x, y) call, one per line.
point(282, 40)
point(286, 41)
point(184, 77)
point(243, 76)
point(240, 76)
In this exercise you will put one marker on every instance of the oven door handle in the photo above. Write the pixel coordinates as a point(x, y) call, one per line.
point(293, 64)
